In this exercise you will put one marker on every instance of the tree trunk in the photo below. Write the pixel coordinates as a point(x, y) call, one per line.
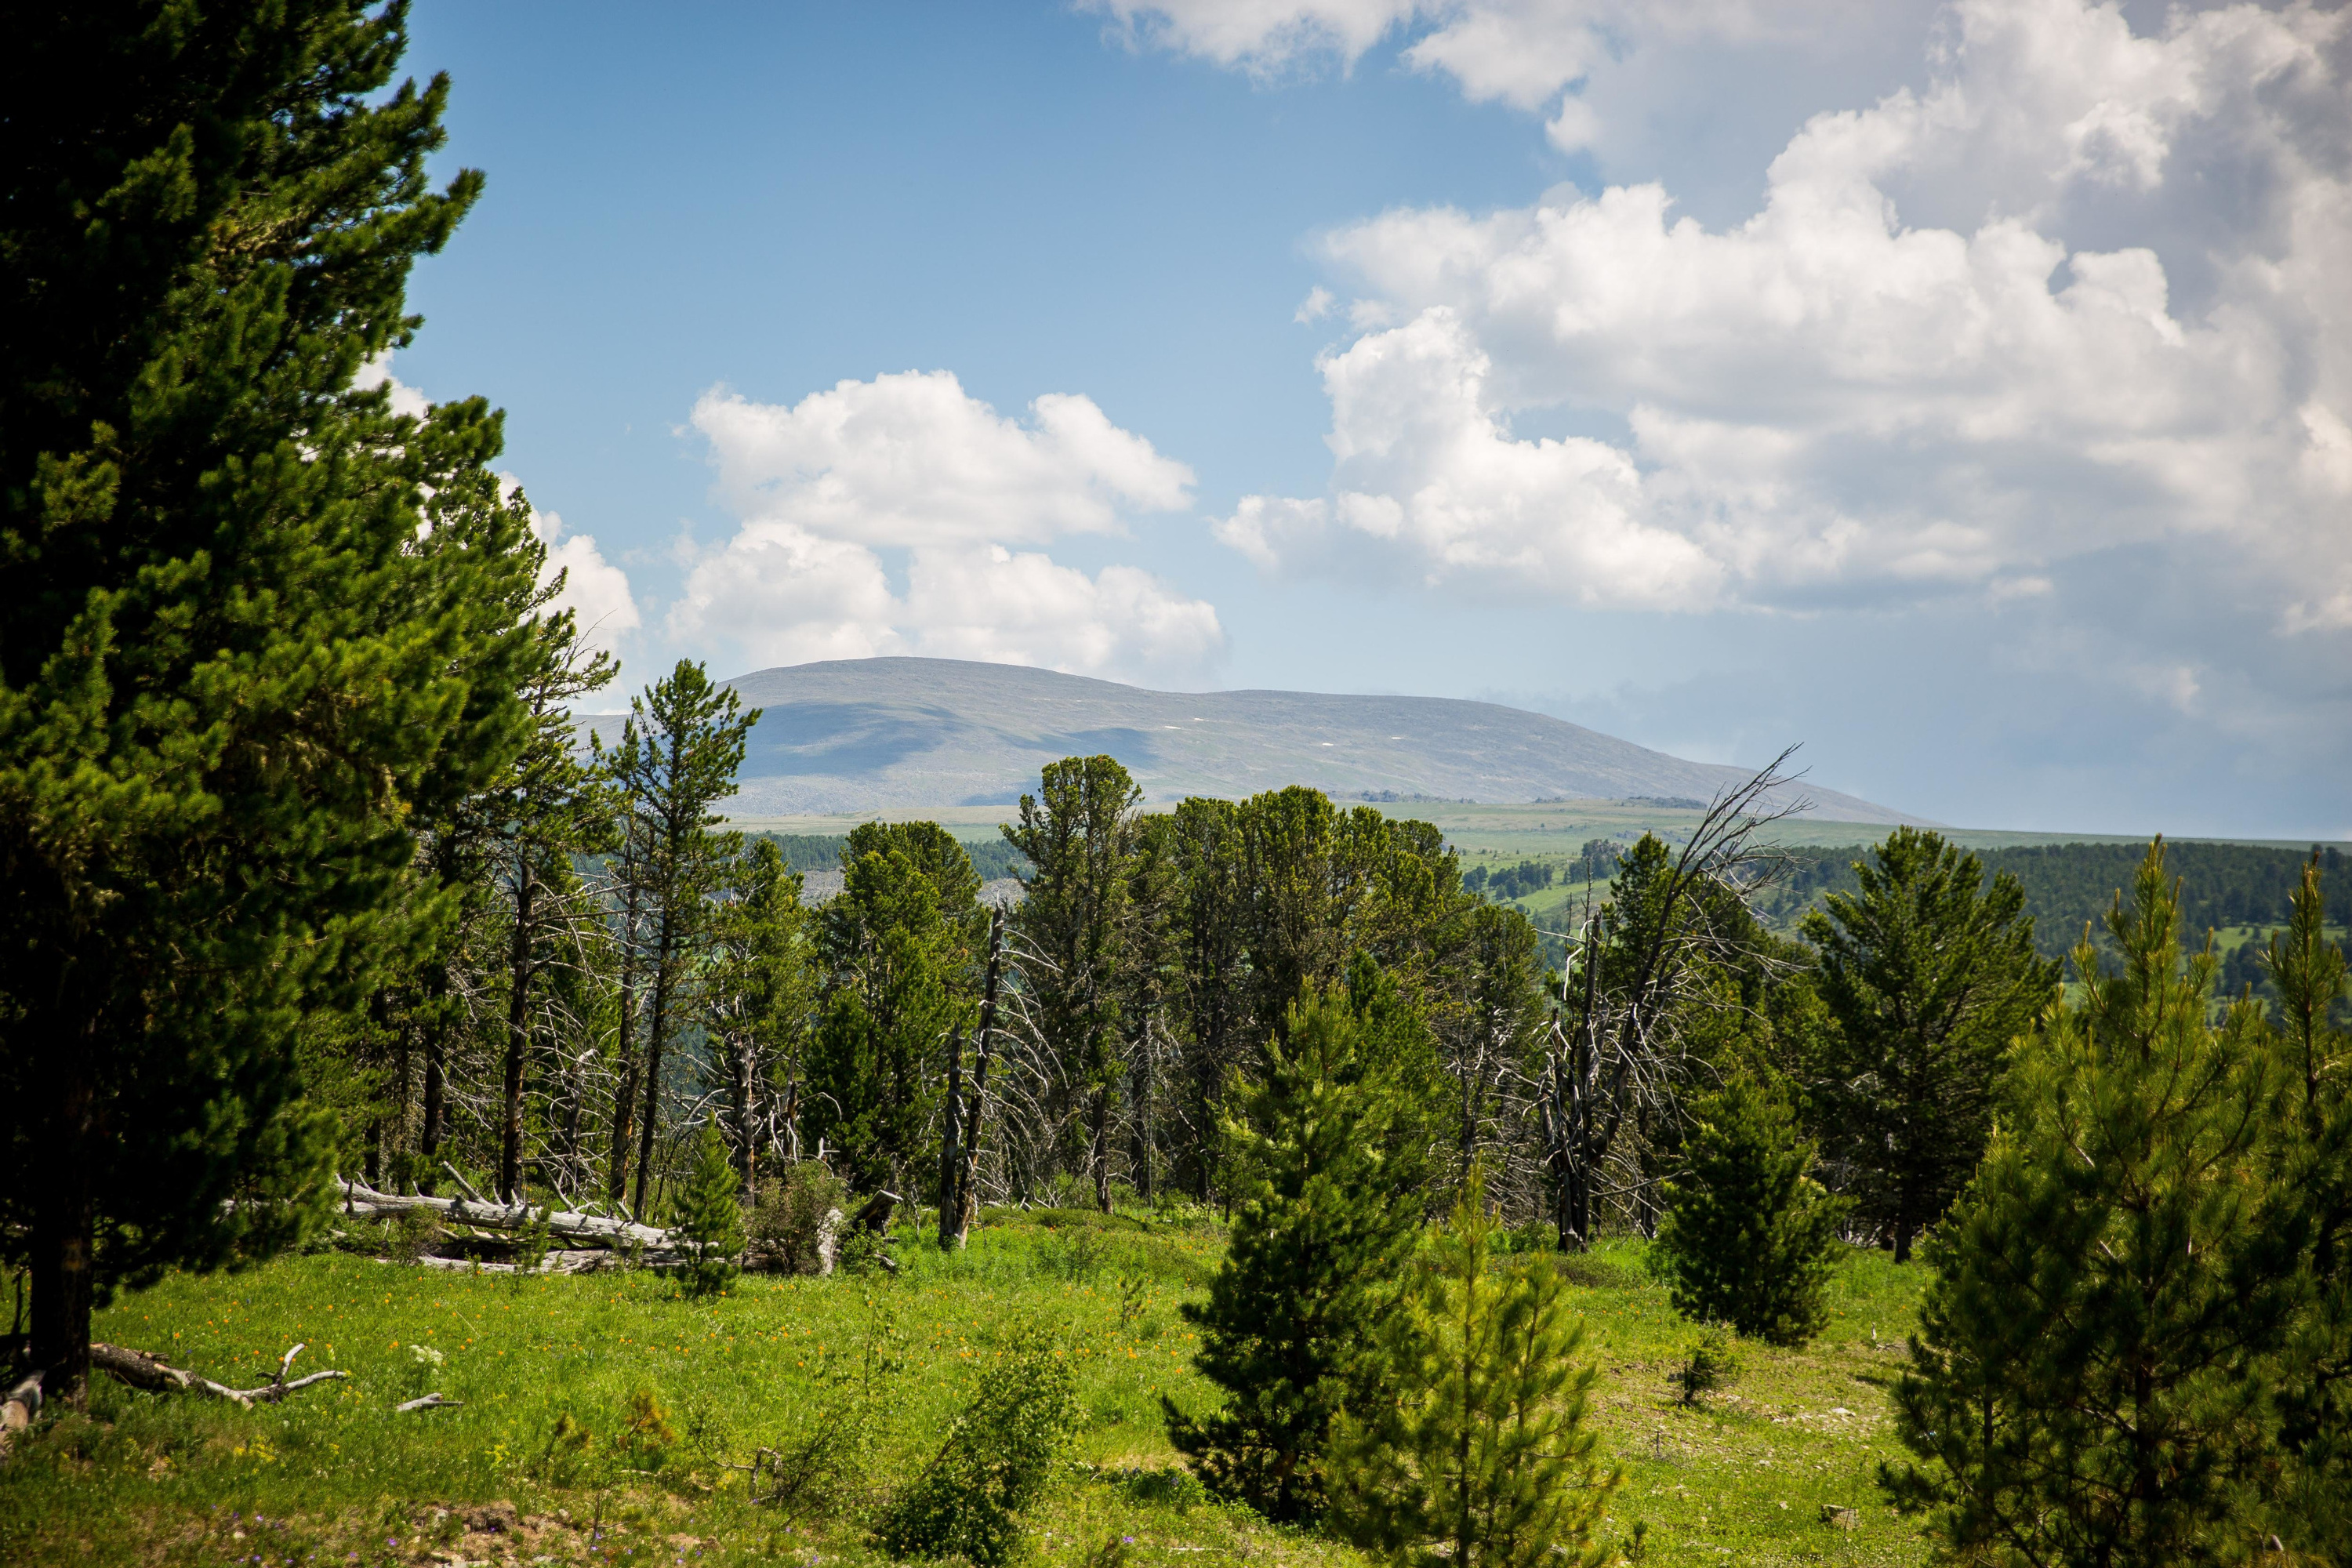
point(625, 1092)
point(746, 1087)
point(664, 968)
point(64, 1226)
point(518, 1034)
point(950, 1155)
point(1101, 1155)
point(968, 1177)
point(428, 1137)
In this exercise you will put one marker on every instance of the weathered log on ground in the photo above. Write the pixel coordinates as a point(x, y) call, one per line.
point(361, 1200)
point(588, 1260)
point(17, 1408)
point(430, 1402)
point(151, 1373)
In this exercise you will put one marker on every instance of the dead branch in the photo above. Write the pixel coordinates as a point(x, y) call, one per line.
point(151, 1373)
point(430, 1402)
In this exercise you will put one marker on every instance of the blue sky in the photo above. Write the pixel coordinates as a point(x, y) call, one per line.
point(1955, 389)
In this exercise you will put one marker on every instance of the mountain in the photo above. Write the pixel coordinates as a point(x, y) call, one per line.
point(874, 734)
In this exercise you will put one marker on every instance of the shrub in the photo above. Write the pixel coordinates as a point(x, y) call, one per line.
point(1713, 1362)
point(646, 1433)
point(1748, 1235)
point(1477, 1453)
point(996, 1462)
point(789, 1219)
point(710, 1217)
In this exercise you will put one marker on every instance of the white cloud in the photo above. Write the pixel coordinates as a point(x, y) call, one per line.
point(596, 590)
point(1839, 397)
point(834, 489)
point(1315, 307)
point(405, 399)
point(910, 460)
point(1261, 36)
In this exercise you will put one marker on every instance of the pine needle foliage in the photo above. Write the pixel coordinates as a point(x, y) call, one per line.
point(2090, 1380)
point(710, 1216)
point(1929, 972)
point(998, 1456)
point(1749, 1239)
point(257, 626)
point(1479, 1456)
point(1325, 1220)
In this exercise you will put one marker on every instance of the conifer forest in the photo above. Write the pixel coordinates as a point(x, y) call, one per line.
point(434, 1132)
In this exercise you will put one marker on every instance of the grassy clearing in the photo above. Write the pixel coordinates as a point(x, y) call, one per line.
point(600, 1415)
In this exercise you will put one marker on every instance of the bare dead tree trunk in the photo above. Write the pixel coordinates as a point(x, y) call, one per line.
point(625, 1093)
point(1099, 1151)
point(518, 974)
point(657, 1026)
point(745, 1085)
point(967, 1185)
point(950, 1155)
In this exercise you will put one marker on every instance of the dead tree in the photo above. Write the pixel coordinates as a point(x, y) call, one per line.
point(960, 1145)
point(1616, 1051)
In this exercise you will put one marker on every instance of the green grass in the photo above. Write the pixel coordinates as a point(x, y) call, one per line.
point(334, 1477)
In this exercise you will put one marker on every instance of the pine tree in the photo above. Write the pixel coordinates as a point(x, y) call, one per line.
point(2091, 1373)
point(1749, 1237)
point(2313, 1375)
point(1325, 1220)
point(896, 948)
point(710, 1216)
point(759, 997)
point(676, 761)
point(1475, 1453)
point(1930, 975)
point(1076, 931)
point(256, 625)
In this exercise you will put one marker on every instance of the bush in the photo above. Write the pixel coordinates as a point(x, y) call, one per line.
point(1713, 1364)
point(1477, 1454)
point(1749, 1236)
point(789, 1220)
point(998, 1456)
point(710, 1217)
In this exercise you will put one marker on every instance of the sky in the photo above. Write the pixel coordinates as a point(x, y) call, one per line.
point(1963, 391)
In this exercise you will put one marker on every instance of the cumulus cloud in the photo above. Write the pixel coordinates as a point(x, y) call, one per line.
point(909, 471)
point(405, 399)
point(1975, 332)
point(596, 590)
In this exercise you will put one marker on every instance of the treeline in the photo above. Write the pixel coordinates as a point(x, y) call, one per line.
point(2069, 887)
point(806, 852)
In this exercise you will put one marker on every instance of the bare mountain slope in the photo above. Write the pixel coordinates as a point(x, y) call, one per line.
point(877, 734)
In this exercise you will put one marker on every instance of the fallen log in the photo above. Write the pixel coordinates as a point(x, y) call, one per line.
point(430, 1402)
point(17, 1408)
point(361, 1200)
point(151, 1373)
point(588, 1260)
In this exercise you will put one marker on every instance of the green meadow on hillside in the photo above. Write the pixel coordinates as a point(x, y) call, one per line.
point(600, 1413)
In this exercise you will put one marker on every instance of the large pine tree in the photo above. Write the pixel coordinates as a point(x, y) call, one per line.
point(253, 620)
point(1076, 931)
point(2093, 1372)
point(676, 761)
point(1929, 974)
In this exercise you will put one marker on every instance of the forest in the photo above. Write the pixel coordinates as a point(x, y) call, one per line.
point(1237, 1177)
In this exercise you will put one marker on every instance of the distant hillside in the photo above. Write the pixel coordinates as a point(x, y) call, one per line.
point(880, 735)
